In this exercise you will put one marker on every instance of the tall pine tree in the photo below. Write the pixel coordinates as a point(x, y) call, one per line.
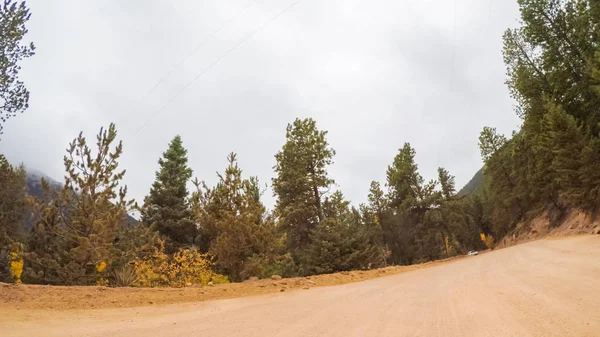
point(302, 181)
point(235, 227)
point(166, 208)
point(72, 240)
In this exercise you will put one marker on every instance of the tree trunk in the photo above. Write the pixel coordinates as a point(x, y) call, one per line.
point(315, 189)
point(318, 203)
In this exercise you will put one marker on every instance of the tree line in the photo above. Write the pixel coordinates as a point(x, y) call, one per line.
point(552, 164)
point(225, 233)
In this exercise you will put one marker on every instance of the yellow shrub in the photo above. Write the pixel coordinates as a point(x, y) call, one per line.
point(185, 266)
point(152, 271)
point(482, 236)
point(16, 266)
point(489, 242)
point(101, 266)
point(102, 282)
point(189, 266)
point(219, 279)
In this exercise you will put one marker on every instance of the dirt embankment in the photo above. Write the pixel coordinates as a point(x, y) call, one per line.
point(547, 226)
point(60, 297)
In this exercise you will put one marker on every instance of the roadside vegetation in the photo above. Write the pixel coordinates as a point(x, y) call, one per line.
point(224, 233)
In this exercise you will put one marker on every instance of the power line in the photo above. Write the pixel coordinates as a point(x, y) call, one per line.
point(202, 43)
point(215, 62)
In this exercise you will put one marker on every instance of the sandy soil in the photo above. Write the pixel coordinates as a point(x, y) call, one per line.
point(541, 288)
point(575, 222)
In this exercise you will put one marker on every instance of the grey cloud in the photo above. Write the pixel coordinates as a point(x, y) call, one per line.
point(375, 74)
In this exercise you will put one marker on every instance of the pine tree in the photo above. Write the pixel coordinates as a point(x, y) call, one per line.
point(12, 208)
point(73, 238)
point(375, 211)
point(341, 242)
point(568, 143)
point(589, 174)
point(549, 56)
point(447, 183)
point(410, 198)
point(14, 96)
point(166, 208)
point(47, 243)
point(499, 156)
point(407, 188)
point(302, 181)
point(552, 62)
point(243, 239)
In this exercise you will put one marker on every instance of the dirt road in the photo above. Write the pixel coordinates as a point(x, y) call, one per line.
point(543, 288)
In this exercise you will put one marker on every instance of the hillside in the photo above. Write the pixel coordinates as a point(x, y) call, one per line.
point(475, 183)
point(34, 185)
point(34, 188)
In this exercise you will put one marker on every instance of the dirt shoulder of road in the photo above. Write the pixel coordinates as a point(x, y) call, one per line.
point(21, 296)
point(573, 223)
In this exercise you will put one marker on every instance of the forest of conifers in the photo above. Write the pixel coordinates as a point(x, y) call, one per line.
point(224, 233)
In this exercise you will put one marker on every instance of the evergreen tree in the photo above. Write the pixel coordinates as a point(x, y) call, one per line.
point(568, 143)
point(72, 241)
point(166, 208)
point(243, 239)
point(341, 242)
point(302, 181)
point(14, 96)
point(375, 211)
point(410, 198)
point(447, 183)
point(12, 208)
point(47, 244)
point(552, 63)
point(407, 188)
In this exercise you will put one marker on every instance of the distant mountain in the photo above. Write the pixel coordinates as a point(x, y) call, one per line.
point(34, 183)
point(474, 184)
point(34, 188)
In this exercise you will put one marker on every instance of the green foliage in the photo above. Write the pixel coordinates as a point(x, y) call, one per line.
point(552, 63)
point(14, 96)
point(447, 183)
point(490, 142)
point(12, 207)
point(474, 185)
point(235, 224)
point(133, 242)
point(77, 227)
point(423, 223)
point(550, 164)
point(301, 181)
point(166, 208)
point(266, 265)
point(341, 242)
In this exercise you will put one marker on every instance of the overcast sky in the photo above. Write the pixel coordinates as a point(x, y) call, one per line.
point(374, 73)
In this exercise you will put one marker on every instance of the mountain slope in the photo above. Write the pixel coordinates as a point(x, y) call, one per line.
point(474, 184)
point(34, 188)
